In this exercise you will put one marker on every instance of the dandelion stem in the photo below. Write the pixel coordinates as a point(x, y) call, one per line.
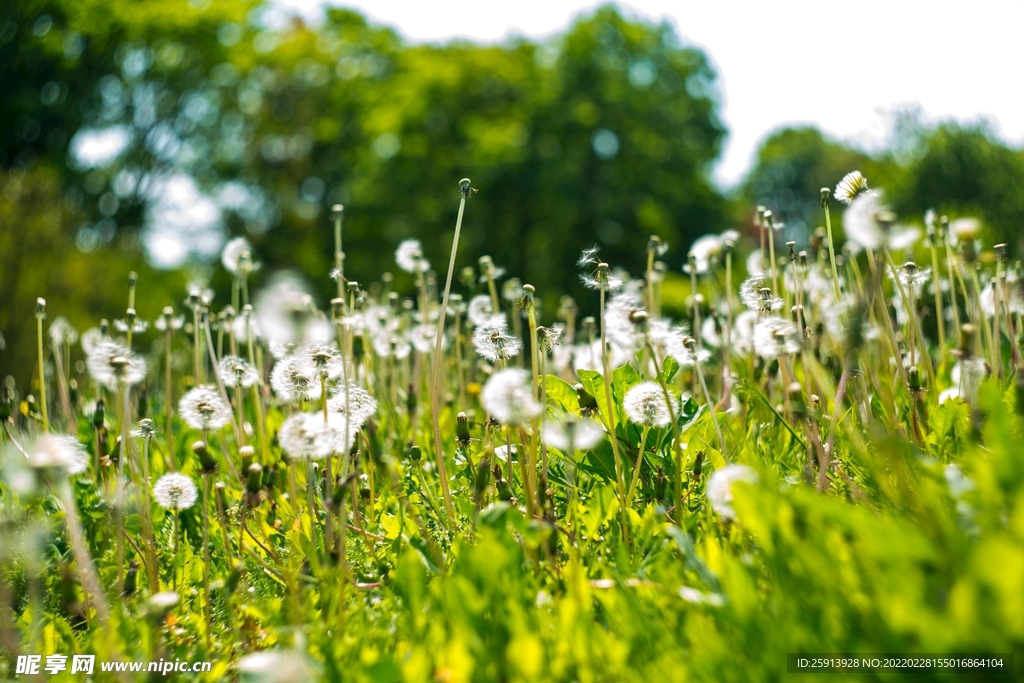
point(435, 382)
point(40, 314)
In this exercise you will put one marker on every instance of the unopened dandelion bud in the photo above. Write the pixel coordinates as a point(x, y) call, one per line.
point(654, 245)
point(358, 350)
point(698, 464)
point(246, 454)
point(969, 251)
point(1002, 253)
point(462, 429)
point(588, 404)
point(131, 582)
point(337, 306)
point(914, 379)
point(220, 492)
point(5, 405)
point(207, 464)
point(482, 479)
point(826, 195)
point(968, 337)
point(415, 454)
point(641, 321)
point(254, 478)
point(98, 415)
point(467, 276)
point(40, 308)
point(465, 188)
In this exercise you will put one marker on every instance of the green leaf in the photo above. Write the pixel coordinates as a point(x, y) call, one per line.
point(561, 394)
point(669, 370)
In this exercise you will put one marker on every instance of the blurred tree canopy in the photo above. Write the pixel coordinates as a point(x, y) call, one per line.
point(959, 170)
point(172, 125)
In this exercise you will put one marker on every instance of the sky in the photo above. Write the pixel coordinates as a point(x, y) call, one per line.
point(845, 67)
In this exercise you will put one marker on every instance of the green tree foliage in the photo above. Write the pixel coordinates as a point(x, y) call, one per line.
point(964, 170)
point(602, 134)
point(792, 166)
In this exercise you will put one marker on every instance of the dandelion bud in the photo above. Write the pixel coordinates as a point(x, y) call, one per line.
point(589, 325)
point(698, 464)
point(826, 195)
point(654, 245)
point(235, 575)
point(98, 414)
point(254, 480)
point(246, 454)
point(220, 492)
point(968, 335)
point(206, 462)
point(588, 404)
point(641, 321)
point(914, 379)
point(338, 210)
point(465, 188)
point(1002, 253)
point(40, 308)
point(462, 429)
point(337, 307)
point(816, 403)
point(415, 454)
point(481, 480)
point(131, 582)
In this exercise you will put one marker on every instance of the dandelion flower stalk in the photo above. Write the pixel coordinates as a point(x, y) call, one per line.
point(825, 201)
point(465, 189)
point(40, 315)
point(531, 313)
point(603, 277)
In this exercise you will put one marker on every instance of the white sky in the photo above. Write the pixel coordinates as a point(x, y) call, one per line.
point(843, 66)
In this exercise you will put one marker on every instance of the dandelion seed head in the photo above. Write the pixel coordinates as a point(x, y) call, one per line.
point(851, 186)
point(60, 452)
point(174, 491)
point(292, 380)
point(719, 491)
point(62, 332)
point(203, 408)
point(391, 345)
point(481, 309)
point(492, 340)
point(307, 435)
point(409, 257)
point(758, 296)
point(232, 257)
point(589, 257)
point(573, 434)
point(508, 397)
point(774, 337)
point(860, 222)
point(112, 364)
point(423, 338)
point(146, 429)
point(645, 405)
point(235, 371)
point(357, 404)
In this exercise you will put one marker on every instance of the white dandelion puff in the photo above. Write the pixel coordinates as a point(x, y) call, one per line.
point(307, 435)
point(62, 332)
point(719, 491)
point(757, 295)
point(292, 380)
point(480, 310)
point(112, 364)
point(203, 408)
point(235, 371)
point(775, 337)
point(508, 397)
point(492, 340)
point(409, 257)
point(645, 405)
point(356, 403)
point(573, 434)
point(59, 451)
point(852, 185)
point(175, 491)
point(232, 257)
